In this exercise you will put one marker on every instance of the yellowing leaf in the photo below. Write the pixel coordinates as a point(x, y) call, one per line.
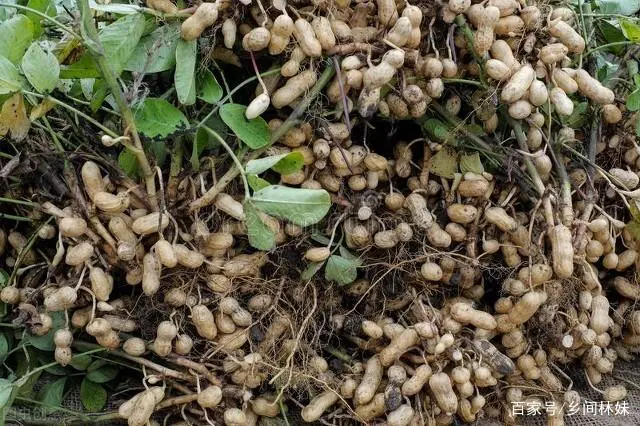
point(13, 118)
point(444, 163)
point(41, 109)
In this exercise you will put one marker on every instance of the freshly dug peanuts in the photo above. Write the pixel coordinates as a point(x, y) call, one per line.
point(203, 321)
point(61, 299)
point(72, 227)
point(366, 390)
point(465, 314)
point(379, 75)
point(567, 35)
point(210, 397)
point(307, 40)
point(518, 84)
point(399, 344)
point(561, 102)
point(314, 410)
point(593, 89)
point(526, 307)
point(205, 15)
point(562, 251)
point(294, 87)
point(440, 385)
point(164, 336)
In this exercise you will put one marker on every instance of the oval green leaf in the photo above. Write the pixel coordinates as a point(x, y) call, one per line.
point(185, 75)
point(156, 52)
point(103, 374)
point(298, 205)
point(282, 163)
point(341, 270)
point(92, 395)
point(255, 133)
point(260, 235)
point(41, 68)
point(17, 34)
point(158, 118)
point(207, 87)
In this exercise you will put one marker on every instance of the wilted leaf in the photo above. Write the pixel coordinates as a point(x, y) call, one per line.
point(260, 235)
point(185, 75)
point(444, 163)
point(41, 68)
point(341, 270)
point(471, 163)
point(10, 79)
point(92, 395)
point(207, 87)
point(156, 52)
point(17, 34)
point(255, 133)
point(158, 118)
point(301, 206)
point(13, 118)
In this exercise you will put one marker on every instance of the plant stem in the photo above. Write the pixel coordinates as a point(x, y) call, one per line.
point(463, 81)
point(21, 202)
point(233, 171)
point(44, 16)
point(54, 363)
point(93, 44)
point(16, 218)
point(608, 45)
point(233, 156)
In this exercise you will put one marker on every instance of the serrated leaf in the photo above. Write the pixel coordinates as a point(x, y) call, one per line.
point(13, 118)
point(633, 100)
point(208, 88)
point(260, 235)
point(342, 271)
point(155, 52)
point(51, 394)
point(444, 163)
point(17, 34)
point(47, 7)
point(256, 182)
point(254, 133)
point(41, 68)
point(311, 270)
point(92, 395)
point(10, 79)
point(301, 206)
point(103, 374)
point(185, 75)
point(158, 118)
point(282, 163)
point(471, 163)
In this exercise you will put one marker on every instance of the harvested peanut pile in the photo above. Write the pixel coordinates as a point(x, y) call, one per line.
point(385, 213)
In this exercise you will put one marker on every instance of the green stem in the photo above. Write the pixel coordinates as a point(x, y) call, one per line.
point(75, 111)
point(459, 126)
point(54, 363)
point(608, 45)
point(44, 16)
point(21, 202)
point(52, 408)
point(92, 41)
point(463, 81)
point(233, 156)
point(16, 218)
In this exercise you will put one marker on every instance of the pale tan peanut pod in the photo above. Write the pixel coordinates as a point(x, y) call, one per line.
point(465, 314)
point(10, 295)
point(625, 178)
point(385, 239)
point(230, 306)
point(79, 254)
point(256, 39)
point(205, 15)
point(257, 106)
point(101, 283)
point(520, 109)
point(317, 254)
point(518, 84)
point(416, 382)
point(134, 346)
point(150, 274)
point(593, 89)
point(229, 30)
point(294, 87)
point(318, 405)
point(610, 261)
point(188, 258)
point(567, 35)
point(292, 66)
point(499, 217)
point(150, 223)
point(323, 32)
point(387, 12)
point(399, 345)
point(266, 407)
point(121, 231)
point(371, 378)
point(401, 416)
point(165, 334)
point(553, 53)
point(375, 408)
point(497, 69)
point(210, 397)
point(611, 114)
point(165, 6)
point(371, 329)
point(224, 323)
point(438, 236)
point(531, 17)
point(379, 75)
point(501, 50)
point(280, 34)
point(92, 178)
point(563, 105)
point(625, 288)
point(399, 34)
point(98, 327)
point(431, 271)
point(564, 13)
point(526, 307)
point(307, 40)
point(509, 26)
point(459, 6)
point(72, 226)
point(417, 206)
point(111, 203)
point(562, 251)
point(165, 253)
point(121, 324)
point(462, 213)
point(564, 81)
point(614, 393)
point(534, 138)
point(341, 30)
point(183, 344)
point(233, 341)
point(440, 385)
point(204, 322)
point(599, 320)
point(60, 299)
point(538, 93)
point(227, 204)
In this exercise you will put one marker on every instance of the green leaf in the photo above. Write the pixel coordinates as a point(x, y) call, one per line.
point(81, 362)
point(260, 235)
point(10, 79)
point(298, 205)
point(118, 8)
point(103, 374)
point(347, 254)
point(471, 163)
point(6, 387)
point(4, 346)
point(41, 68)
point(47, 7)
point(92, 395)
point(631, 30)
point(342, 271)
point(128, 163)
point(51, 394)
point(158, 118)
point(634, 229)
point(208, 88)
point(185, 75)
point(612, 34)
point(156, 52)
point(45, 343)
point(257, 183)
point(283, 163)
point(17, 34)
point(619, 7)
point(444, 163)
point(255, 133)
point(633, 100)
point(311, 270)
point(578, 117)
point(436, 129)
